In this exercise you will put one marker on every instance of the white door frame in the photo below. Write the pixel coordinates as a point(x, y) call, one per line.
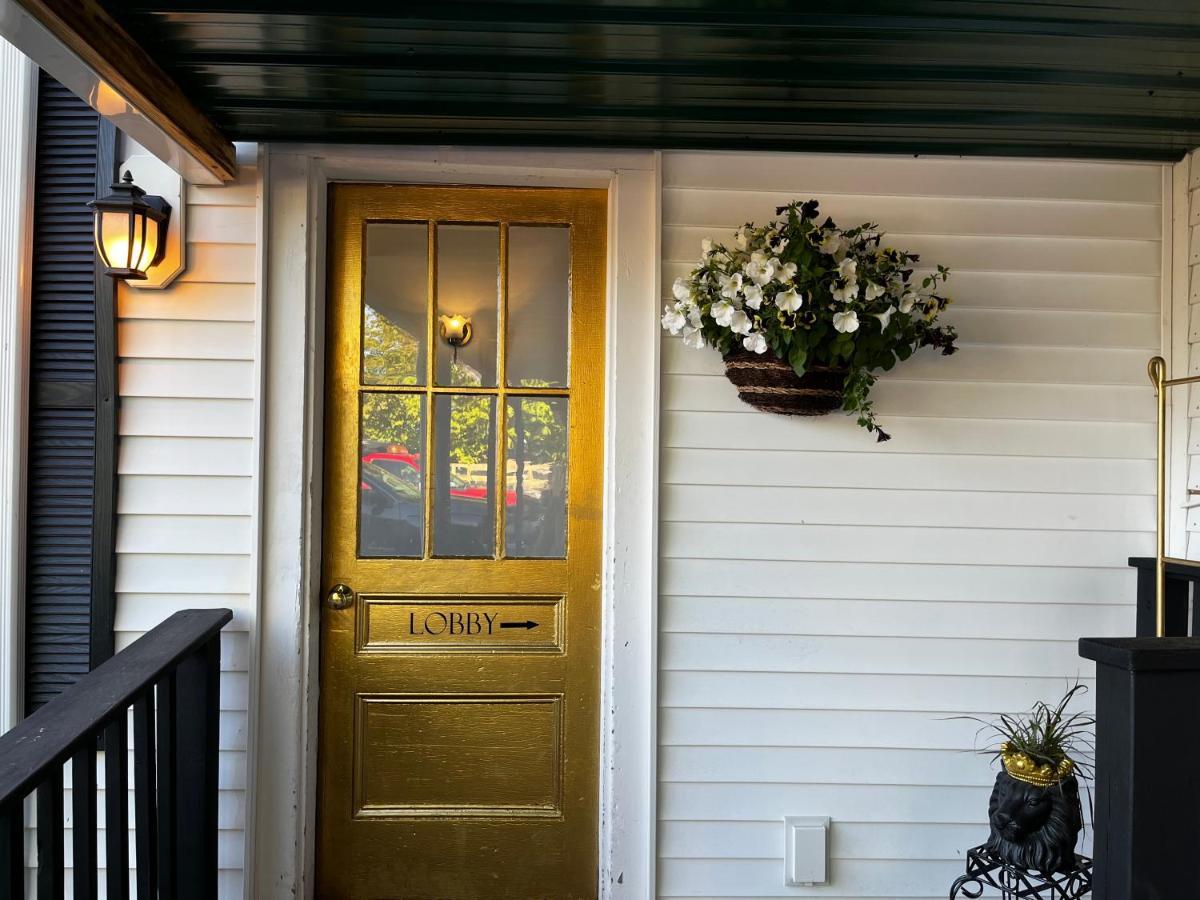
point(18, 133)
point(283, 702)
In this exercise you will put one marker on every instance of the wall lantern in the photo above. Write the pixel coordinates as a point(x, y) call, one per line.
point(130, 229)
point(140, 223)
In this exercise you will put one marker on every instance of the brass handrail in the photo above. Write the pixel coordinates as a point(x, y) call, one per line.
point(1157, 369)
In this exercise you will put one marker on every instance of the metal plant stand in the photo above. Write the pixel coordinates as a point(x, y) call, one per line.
point(985, 870)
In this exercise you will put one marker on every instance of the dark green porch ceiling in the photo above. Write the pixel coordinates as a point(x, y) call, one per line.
point(1117, 79)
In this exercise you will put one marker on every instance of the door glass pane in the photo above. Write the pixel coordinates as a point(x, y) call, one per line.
point(468, 286)
point(391, 489)
point(539, 305)
point(465, 449)
point(536, 475)
point(395, 290)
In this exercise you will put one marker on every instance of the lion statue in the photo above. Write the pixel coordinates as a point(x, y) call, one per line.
point(1035, 828)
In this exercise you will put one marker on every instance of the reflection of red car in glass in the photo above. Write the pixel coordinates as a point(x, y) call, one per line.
point(407, 467)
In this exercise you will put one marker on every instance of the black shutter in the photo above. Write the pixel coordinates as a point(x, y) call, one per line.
point(71, 435)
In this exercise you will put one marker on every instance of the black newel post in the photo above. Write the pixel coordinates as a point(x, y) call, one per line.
point(1147, 828)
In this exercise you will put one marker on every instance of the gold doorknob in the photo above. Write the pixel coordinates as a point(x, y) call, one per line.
point(340, 596)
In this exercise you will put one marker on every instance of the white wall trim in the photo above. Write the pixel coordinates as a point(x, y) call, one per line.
point(293, 325)
point(18, 119)
point(1176, 323)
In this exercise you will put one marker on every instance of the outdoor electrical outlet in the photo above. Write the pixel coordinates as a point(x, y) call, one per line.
point(807, 851)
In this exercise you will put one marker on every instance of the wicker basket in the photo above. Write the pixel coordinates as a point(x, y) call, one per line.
point(770, 384)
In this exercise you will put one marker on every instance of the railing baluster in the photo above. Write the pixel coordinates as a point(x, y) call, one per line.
point(50, 867)
point(197, 721)
point(146, 816)
point(116, 807)
point(12, 849)
point(167, 848)
point(83, 820)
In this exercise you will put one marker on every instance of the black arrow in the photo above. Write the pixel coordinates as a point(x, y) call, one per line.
point(527, 624)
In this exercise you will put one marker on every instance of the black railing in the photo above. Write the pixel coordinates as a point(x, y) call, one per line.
point(170, 679)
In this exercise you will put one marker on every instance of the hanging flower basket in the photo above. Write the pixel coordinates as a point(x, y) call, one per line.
point(806, 313)
point(768, 383)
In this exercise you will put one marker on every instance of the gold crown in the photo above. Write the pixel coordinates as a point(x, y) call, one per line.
point(1021, 767)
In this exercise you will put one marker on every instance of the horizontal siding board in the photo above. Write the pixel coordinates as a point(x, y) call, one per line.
point(941, 546)
point(923, 508)
point(155, 455)
point(221, 225)
point(876, 655)
point(189, 301)
point(141, 612)
point(219, 534)
point(718, 430)
point(186, 417)
point(818, 174)
point(180, 573)
point(893, 879)
point(203, 379)
point(892, 618)
point(181, 340)
point(220, 263)
point(1000, 217)
point(707, 690)
point(866, 470)
point(197, 495)
point(905, 580)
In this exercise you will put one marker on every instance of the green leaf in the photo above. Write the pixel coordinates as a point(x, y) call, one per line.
point(798, 358)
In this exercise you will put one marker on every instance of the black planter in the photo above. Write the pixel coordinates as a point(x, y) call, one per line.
point(1035, 827)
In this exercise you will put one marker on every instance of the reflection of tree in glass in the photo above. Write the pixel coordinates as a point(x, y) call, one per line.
point(391, 354)
point(470, 422)
point(392, 419)
point(543, 431)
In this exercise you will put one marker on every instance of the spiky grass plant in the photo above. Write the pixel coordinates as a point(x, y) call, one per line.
point(1047, 734)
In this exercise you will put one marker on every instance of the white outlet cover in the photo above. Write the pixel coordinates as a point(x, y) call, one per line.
point(806, 856)
point(156, 178)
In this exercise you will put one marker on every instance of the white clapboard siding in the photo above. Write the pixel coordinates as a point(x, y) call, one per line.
point(831, 608)
point(186, 501)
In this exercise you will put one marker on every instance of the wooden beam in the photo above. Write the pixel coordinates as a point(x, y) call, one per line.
point(124, 68)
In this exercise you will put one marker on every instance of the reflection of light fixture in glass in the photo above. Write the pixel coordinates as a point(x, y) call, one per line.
point(130, 229)
point(456, 330)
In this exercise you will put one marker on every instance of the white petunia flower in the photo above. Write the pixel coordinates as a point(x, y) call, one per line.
point(754, 295)
point(681, 289)
point(845, 322)
point(755, 343)
point(907, 302)
point(741, 238)
point(848, 269)
point(694, 316)
point(694, 339)
point(785, 272)
point(875, 290)
point(731, 285)
point(780, 245)
point(759, 268)
point(789, 300)
point(833, 243)
point(885, 318)
point(739, 322)
point(846, 293)
point(706, 246)
point(722, 312)
point(673, 320)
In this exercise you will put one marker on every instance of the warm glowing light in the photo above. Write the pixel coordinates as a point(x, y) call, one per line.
point(456, 330)
point(129, 230)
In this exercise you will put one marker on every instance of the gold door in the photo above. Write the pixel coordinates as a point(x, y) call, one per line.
point(459, 724)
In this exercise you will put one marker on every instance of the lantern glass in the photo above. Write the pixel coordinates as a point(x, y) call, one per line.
point(128, 241)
